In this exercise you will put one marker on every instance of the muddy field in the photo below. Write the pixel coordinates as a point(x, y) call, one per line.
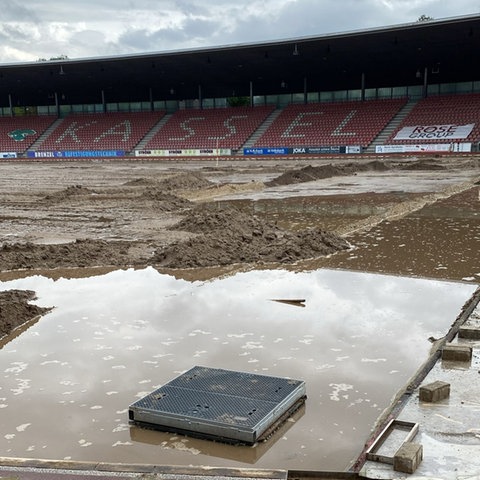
point(179, 216)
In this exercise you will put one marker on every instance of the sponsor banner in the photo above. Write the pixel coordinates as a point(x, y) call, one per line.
point(329, 150)
point(390, 148)
point(435, 132)
point(317, 150)
point(426, 147)
point(77, 154)
point(266, 151)
point(354, 149)
point(184, 152)
point(8, 154)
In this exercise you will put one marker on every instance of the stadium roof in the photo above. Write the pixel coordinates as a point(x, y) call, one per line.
point(398, 55)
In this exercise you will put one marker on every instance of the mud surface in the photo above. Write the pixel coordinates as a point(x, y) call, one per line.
point(94, 214)
point(15, 309)
point(228, 235)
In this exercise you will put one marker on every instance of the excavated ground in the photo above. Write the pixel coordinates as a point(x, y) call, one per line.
point(65, 215)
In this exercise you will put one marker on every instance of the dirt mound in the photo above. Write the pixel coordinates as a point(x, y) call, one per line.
point(81, 253)
point(15, 309)
point(139, 182)
point(309, 173)
point(166, 202)
point(71, 191)
point(184, 181)
point(426, 164)
point(228, 236)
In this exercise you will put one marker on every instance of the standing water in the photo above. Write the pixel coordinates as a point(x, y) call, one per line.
point(68, 380)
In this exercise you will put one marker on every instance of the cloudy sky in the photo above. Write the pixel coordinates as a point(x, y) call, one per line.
point(34, 29)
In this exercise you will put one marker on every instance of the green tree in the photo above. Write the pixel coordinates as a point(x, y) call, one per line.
point(59, 57)
point(425, 18)
point(238, 101)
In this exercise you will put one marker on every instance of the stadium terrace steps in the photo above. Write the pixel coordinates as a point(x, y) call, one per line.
point(330, 124)
point(146, 139)
point(459, 109)
point(107, 131)
point(366, 124)
point(17, 134)
point(381, 138)
point(214, 128)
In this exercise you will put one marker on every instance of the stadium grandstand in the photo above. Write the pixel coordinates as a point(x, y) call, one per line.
point(406, 88)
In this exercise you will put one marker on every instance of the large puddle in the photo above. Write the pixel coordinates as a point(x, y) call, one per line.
point(68, 379)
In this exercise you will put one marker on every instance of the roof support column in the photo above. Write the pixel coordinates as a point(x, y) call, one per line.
point(200, 98)
point(305, 96)
point(363, 86)
point(150, 98)
point(10, 104)
point(104, 106)
point(57, 106)
point(425, 83)
point(251, 93)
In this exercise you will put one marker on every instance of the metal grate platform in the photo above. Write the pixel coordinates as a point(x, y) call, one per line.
point(217, 404)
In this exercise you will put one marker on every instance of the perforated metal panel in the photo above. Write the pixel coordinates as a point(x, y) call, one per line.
point(220, 404)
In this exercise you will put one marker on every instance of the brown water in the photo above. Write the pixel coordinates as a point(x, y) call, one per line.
point(437, 241)
point(68, 379)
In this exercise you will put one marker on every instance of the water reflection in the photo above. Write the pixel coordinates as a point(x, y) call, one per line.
point(67, 381)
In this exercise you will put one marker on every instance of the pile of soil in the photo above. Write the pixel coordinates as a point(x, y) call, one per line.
point(181, 181)
point(309, 173)
point(15, 309)
point(426, 164)
point(184, 181)
point(165, 201)
point(81, 253)
point(228, 235)
point(140, 182)
point(71, 191)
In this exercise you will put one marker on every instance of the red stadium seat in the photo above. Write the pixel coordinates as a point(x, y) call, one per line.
point(108, 131)
point(215, 128)
point(330, 124)
point(17, 134)
point(442, 110)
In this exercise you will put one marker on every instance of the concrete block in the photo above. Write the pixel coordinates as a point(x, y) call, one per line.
point(472, 333)
point(408, 457)
point(434, 392)
point(459, 353)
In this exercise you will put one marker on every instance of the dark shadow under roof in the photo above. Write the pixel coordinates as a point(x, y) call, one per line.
point(384, 57)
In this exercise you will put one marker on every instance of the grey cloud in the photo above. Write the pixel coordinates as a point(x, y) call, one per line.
point(12, 34)
point(216, 22)
point(15, 11)
point(143, 40)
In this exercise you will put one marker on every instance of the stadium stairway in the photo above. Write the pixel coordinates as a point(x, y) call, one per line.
point(37, 145)
point(382, 137)
point(153, 131)
point(259, 131)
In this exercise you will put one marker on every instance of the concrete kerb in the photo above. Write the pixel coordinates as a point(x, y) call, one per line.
point(415, 381)
point(156, 471)
point(17, 468)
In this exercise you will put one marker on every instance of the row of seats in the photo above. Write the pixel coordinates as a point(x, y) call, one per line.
point(298, 125)
point(333, 124)
point(17, 134)
point(122, 131)
point(440, 111)
point(218, 128)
